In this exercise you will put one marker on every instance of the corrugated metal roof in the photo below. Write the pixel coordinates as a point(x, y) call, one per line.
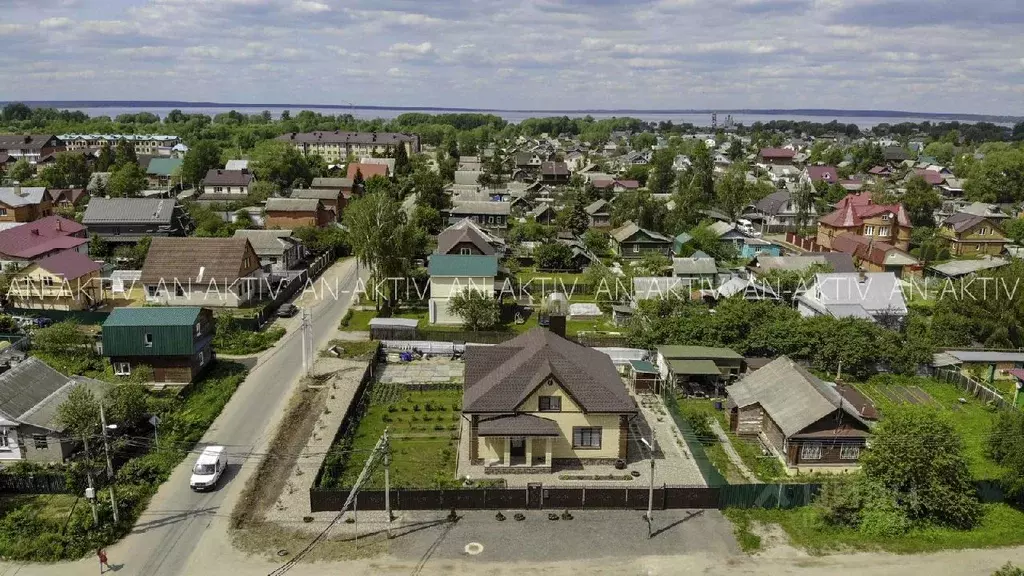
point(153, 316)
point(462, 265)
point(698, 352)
point(643, 366)
point(128, 211)
point(694, 367)
point(25, 385)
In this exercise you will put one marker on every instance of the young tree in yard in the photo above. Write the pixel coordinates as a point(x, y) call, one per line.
point(921, 201)
point(429, 188)
point(279, 162)
point(732, 192)
point(200, 158)
point(402, 165)
point(380, 236)
point(596, 241)
point(21, 170)
point(640, 207)
point(661, 177)
point(69, 170)
point(358, 183)
point(126, 404)
point(98, 248)
point(918, 456)
point(553, 256)
point(80, 413)
point(574, 217)
point(126, 181)
point(653, 264)
point(105, 159)
point(428, 219)
point(379, 184)
point(1006, 446)
point(124, 153)
point(478, 311)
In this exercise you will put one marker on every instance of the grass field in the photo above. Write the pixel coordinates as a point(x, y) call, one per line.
point(972, 419)
point(1000, 526)
point(48, 507)
point(424, 428)
point(357, 320)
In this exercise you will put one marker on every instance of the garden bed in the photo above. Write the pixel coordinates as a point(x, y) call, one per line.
point(424, 433)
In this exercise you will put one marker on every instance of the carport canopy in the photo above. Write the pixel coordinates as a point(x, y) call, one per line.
point(694, 367)
point(643, 367)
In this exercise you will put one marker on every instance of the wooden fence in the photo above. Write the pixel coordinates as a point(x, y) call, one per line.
point(42, 483)
point(537, 496)
point(972, 386)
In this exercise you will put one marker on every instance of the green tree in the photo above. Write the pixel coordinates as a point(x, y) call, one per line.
point(788, 283)
point(358, 183)
point(735, 152)
point(126, 181)
point(700, 177)
point(662, 176)
point(80, 413)
point(98, 248)
point(200, 159)
point(124, 153)
point(643, 141)
point(379, 184)
point(732, 192)
point(638, 172)
point(999, 177)
point(62, 338)
point(477, 310)
point(942, 151)
point(69, 170)
point(380, 236)
point(553, 256)
point(653, 264)
point(402, 165)
point(921, 201)
point(1014, 229)
point(427, 218)
point(429, 187)
point(573, 217)
point(21, 170)
point(279, 162)
point(640, 207)
point(918, 456)
point(16, 112)
point(105, 159)
point(126, 405)
point(1006, 446)
point(596, 241)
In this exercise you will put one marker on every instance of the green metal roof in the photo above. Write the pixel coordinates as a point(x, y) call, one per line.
point(694, 367)
point(163, 166)
point(153, 316)
point(462, 265)
point(643, 366)
point(698, 352)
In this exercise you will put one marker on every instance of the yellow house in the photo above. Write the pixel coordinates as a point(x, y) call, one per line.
point(452, 274)
point(969, 235)
point(540, 402)
point(67, 280)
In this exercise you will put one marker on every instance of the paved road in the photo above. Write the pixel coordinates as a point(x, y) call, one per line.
point(178, 519)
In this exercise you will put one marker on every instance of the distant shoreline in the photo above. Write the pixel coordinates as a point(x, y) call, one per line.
point(823, 112)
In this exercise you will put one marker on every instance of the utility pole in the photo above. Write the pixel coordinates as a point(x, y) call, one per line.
point(90, 494)
point(387, 478)
point(307, 343)
point(110, 466)
point(650, 491)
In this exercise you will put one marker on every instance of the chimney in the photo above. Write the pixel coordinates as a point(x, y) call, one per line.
point(17, 188)
point(558, 308)
point(58, 225)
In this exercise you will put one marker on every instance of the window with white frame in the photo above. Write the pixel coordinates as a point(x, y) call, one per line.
point(40, 441)
point(883, 231)
point(148, 340)
point(5, 441)
point(810, 451)
point(201, 358)
point(199, 329)
point(636, 248)
point(465, 251)
point(122, 369)
point(849, 452)
point(869, 230)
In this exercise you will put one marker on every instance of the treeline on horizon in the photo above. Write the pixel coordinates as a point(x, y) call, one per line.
point(244, 130)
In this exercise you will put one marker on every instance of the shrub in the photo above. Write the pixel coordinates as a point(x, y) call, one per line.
point(700, 423)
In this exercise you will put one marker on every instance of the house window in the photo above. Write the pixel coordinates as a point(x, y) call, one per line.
point(983, 231)
point(3, 211)
point(849, 452)
point(179, 291)
point(887, 216)
point(883, 231)
point(465, 251)
point(869, 230)
point(550, 404)
point(148, 339)
point(490, 219)
point(586, 438)
point(810, 451)
point(636, 248)
point(5, 442)
point(218, 189)
point(199, 329)
point(151, 290)
point(48, 281)
point(40, 441)
point(122, 369)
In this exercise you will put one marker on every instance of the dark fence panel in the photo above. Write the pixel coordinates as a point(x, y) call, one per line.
point(605, 498)
point(638, 498)
point(507, 499)
point(563, 498)
point(699, 497)
point(33, 484)
point(767, 495)
point(372, 500)
point(465, 499)
point(419, 500)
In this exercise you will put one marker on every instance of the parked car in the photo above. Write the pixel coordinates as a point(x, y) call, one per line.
point(287, 310)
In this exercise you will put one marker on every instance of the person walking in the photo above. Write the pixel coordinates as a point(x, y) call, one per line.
point(102, 554)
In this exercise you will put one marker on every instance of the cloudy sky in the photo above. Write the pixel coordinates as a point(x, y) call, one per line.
point(931, 56)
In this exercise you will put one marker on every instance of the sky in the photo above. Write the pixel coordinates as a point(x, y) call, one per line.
point(931, 56)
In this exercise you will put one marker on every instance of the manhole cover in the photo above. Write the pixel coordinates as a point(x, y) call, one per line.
point(474, 548)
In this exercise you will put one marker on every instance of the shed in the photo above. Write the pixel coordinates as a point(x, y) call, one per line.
point(644, 377)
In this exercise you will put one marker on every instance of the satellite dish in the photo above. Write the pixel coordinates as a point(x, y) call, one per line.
point(1020, 385)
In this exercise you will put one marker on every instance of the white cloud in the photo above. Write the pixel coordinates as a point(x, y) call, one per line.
point(310, 7)
point(60, 22)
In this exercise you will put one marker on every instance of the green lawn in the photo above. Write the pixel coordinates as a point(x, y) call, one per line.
point(766, 468)
point(47, 507)
point(424, 428)
point(1000, 526)
point(973, 420)
point(357, 320)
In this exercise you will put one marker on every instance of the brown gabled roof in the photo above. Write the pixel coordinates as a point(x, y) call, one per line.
point(367, 171)
point(962, 221)
point(777, 153)
point(554, 169)
point(452, 237)
point(499, 378)
point(197, 260)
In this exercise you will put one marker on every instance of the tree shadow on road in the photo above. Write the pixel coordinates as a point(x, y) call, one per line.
point(686, 518)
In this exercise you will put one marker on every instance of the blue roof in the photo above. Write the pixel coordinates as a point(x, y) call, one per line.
point(153, 316)
point(462, 265)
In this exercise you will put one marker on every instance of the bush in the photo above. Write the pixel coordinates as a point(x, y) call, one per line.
point(231, 338)
point(152, 468)
point(700, 423)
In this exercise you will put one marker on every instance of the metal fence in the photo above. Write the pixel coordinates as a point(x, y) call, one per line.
point(483, 336)
point(971, 386)
point(536, 496)
point(33, 484)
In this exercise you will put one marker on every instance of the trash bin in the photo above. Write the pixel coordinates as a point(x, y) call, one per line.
point(718, 405)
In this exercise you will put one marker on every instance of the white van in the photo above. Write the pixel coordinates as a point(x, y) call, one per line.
point(208, 468)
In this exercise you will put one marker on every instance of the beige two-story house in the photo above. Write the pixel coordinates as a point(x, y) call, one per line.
point(539, 403)
point(858, 214)
point(970, 235)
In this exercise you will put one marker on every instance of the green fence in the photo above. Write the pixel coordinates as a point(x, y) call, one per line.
point(766, 495)
point(711, 474)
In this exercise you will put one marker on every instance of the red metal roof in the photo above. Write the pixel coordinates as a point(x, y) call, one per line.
point(69, 264)
point(851, 211)
point(43, 236)
point(826, 173)
point(367, 170)
point(930, 176)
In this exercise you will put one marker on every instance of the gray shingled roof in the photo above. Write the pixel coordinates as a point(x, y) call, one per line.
point(27, 384)
point(473, 207)
point(129, 210)
point(292, 205)
point(793, 397)
point(451, 237)
point(44, 414)
point(499, 378)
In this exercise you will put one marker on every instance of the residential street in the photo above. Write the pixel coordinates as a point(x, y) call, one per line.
point(178, 519)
